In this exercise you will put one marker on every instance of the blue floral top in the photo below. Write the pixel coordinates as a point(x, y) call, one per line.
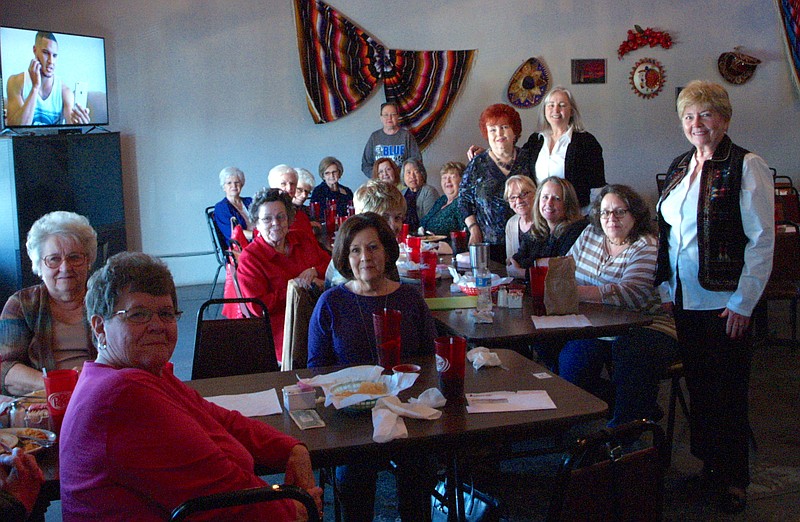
point(481, 194)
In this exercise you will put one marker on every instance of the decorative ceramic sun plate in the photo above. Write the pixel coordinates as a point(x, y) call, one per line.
point(647, 78)
point(529, 84)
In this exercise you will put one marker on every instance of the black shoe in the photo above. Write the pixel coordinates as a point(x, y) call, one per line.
point(732, 500)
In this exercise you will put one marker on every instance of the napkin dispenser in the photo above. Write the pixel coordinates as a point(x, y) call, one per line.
point(299, 398)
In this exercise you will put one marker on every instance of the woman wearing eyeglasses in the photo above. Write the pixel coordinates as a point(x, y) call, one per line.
point(331, 170)
point(277, 255)
point(557, 223)
point(44, 326)
point(615, 258)
point(137, 442)
point(520, 192)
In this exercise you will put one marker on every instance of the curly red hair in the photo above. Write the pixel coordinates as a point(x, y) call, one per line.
point(500, 113)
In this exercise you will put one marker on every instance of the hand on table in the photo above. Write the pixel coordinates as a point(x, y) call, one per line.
point(24, 480)
point(513, 269)
point(299, 473)
point(736, 325)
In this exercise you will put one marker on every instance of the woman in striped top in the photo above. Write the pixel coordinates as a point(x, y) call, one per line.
point(615, 260)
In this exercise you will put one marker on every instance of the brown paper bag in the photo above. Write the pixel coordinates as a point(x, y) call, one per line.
point(560, 288)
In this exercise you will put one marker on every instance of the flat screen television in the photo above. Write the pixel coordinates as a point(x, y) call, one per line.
point(71, 70)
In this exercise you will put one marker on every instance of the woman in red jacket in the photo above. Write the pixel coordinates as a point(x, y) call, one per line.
point(278, 255)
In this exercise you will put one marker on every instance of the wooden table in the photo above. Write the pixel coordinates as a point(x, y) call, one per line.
point(348, 436)
point(513, 328)
point(455, 436)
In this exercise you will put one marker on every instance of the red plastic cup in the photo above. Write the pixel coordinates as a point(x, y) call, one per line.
point(537, 277)
point(414, 244)
point(59, 385)
point(403, 233)
point(427, 272)
point(316, 212)
point(451, 356)
point(386, 324)
point(458, 241)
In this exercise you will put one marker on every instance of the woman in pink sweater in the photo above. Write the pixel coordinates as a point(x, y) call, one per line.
point(136, 442)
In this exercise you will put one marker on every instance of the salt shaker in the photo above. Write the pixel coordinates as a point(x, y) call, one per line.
point(502, 297)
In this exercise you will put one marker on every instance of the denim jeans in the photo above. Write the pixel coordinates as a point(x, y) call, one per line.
point(638, 359)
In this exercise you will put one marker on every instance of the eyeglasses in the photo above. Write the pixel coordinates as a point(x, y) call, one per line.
point(141, 315)
point(334, 172)
point(280, 218)
point(522, 195)
point(618, 213)
point(389, 116)
point(74, 260)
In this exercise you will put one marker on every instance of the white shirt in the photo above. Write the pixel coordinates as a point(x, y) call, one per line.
point(552, 163)
point(757, 205)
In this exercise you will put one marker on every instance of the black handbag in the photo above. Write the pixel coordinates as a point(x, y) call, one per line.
point(478, 506)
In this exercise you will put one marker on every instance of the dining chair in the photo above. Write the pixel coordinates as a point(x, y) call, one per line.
point(244, 497)
point(220, 245)
point(225, 347)
point(675, 374)
point(787, 204)
point(784, 282)
point(300, 304)
point(613, 474)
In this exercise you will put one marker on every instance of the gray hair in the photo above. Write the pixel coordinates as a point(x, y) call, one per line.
point(575, 120)
point(131, 271)
point(276, 172)
point(265, 196)
point(305, 177)
point(230, 172)
point(64, 224)
point(420, 167)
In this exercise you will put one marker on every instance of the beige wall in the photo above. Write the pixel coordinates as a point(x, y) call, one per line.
point(199, 85)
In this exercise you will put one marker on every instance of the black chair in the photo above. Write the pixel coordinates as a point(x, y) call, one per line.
point(225, 347)
point(600, 479)
point(675, 373)
point(783, 284)
point(787, 204)
point(220, 246)
point(244, 497)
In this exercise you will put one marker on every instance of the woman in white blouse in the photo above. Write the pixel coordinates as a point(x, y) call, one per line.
point(716, 218)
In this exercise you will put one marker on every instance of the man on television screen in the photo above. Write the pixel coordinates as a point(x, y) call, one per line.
point(39, 97)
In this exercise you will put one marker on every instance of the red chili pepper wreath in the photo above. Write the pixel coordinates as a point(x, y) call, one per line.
point(641, 37)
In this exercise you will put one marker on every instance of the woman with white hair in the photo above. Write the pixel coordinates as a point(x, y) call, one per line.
point(305, 184)
point(233, 205)
point(285, 178)
point(44, 326)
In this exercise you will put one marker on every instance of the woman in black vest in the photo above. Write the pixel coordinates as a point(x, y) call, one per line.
point(717, 232)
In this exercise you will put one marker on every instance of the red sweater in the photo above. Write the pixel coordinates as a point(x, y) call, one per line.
point(264, 273)
point(134, 446)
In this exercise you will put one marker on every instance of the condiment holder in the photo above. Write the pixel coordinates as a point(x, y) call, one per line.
point(297, 397)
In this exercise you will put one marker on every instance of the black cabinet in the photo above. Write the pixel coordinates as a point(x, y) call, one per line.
point(81, 173)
